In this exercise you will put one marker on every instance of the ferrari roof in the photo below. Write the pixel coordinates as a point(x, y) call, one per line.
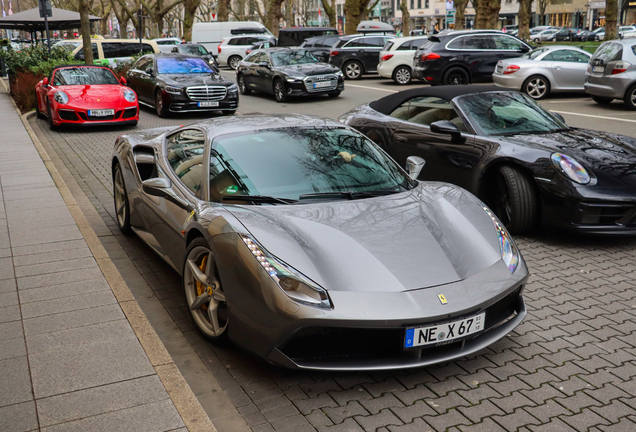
point(389, 103)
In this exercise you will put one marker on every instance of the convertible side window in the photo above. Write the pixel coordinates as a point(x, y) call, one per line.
point(184, 151)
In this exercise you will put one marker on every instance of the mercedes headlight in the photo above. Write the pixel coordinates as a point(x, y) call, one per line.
point(129, 95)
point(232, 89)
point(507, 246)
point(61, 97)
point(173, 90)
point(293, 78)
point(570, 168)
point(296, 286)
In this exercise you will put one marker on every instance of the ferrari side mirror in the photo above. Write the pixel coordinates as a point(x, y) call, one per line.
point(45, 82)
point(162, 187)
point(414, 165)
point(123, 81)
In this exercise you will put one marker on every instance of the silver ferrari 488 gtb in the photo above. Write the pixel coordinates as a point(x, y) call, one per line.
point(301, 241)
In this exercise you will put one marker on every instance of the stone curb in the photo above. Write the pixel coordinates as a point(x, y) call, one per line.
point(193, 415)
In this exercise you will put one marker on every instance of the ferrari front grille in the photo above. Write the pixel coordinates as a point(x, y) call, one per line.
point(206, 93)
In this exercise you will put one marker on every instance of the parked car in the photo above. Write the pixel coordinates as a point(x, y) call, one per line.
point(554, 69)
point(85, 95)
point(581, 36)
point(547, 35)
point(591, 36)
point(537, 29)
point(287, 72)
point(110, 52)
point(358, 55)
point(211, 34)
point(396, 58)
point(567, 34)
point(331, 282)
point(166, 44)
point(520, 159)
point(197, 50)
point(623, 32)
point(232, 49)
point(181, 83)
point(612, 73)
point(68, 45)
point(321, 46)
point(464, 57)
point(295, 36)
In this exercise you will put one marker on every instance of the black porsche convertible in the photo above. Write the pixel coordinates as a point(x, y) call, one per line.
point(522, 160)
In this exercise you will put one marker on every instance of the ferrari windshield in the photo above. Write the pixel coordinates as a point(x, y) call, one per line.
point(84, 76)
point(182, 65)
point(507, 113)
point(288, 163)
point(292, 57)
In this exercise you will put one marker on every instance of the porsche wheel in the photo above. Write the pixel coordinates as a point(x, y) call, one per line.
point(38, 112)
point(49, 118)
point(516, 202)
point(204, 292)
point(242, 85)
point(537, 87)
point(456, 76)
point(159, 105)
point(352, 70)
point(122, 208)
point(279, 91)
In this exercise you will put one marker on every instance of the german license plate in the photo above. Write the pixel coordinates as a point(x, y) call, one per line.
point(420, 336)
point(322, 84)
point(101, 113)
point(598, 69)
point(499, 69)
point(208, 104)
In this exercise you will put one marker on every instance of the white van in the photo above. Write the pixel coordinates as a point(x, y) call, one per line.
point(211, 34)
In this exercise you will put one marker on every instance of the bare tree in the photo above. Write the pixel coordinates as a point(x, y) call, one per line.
point(542, 5)
point(356, 11)
point(222, 10)
point(406, 17)
point(460, 18)
point(85, 27)
point(190, 10)
point(274, 15)
point(611, 18)
point(487, 14)
point(525, 11)
point(157, 11)
point(330, 10)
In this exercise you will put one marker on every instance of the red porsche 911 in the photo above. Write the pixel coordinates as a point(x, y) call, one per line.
point(86, 95)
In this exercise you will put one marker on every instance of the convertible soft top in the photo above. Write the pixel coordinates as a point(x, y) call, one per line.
point(389, 103)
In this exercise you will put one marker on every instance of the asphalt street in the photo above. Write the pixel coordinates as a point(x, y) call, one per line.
point(571, 366)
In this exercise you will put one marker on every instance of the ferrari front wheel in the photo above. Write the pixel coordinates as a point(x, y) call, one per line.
point(204, 293)
point(516, 202)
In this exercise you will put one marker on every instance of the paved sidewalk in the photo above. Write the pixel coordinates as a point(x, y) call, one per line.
point(69, 358)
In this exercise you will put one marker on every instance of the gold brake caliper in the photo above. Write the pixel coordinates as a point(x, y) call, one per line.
point(201, 288)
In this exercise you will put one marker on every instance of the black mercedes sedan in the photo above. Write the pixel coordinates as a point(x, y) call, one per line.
point(181, 83)
point(522, 160)
point(286, 72)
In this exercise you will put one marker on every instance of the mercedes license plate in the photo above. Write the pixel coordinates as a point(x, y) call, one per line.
point(101, 113)
point(208, 104)
point(322, 84)
point(598, 69)
point(439, 333)
point(499, 69)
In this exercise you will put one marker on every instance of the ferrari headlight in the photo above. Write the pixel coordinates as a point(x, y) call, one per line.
point(507, 246)
point(173, 90)
point(129, 95)
point(294, 78)
point(60, 97)
point(296, 286)
point(570, 168)
point(232, 89)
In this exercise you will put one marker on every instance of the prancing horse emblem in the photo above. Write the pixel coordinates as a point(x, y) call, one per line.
point(442, 299)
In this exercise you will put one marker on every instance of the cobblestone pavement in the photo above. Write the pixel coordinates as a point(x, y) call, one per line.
point(571, 365)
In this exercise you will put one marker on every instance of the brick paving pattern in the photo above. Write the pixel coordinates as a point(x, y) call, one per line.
point(571, 365)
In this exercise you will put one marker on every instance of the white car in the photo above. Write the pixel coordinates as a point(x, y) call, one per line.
point(545, 35)
point(623, 32)
point(166, 44)
point(232, 48)
point(396, 58)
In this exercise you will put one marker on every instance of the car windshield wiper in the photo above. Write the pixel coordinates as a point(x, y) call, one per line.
point(259, 199)
point(350, 195)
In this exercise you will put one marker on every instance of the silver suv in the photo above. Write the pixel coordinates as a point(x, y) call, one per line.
point(611, 73)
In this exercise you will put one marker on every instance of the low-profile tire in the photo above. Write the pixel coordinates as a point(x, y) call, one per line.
point(120, 196)
point(630, 97)
point(334, 94)
point(203, 306)
point(602, 100)
point(49, 118)
point(279, 91)
point(402, 75)
point(133, 124)
point(242, 85)
point(516, 202)
point(456, 76)
point(233, 61)
point(353, 70)
point(536, 86)
point(160, 108)
point(38, 112)
point(228, 112)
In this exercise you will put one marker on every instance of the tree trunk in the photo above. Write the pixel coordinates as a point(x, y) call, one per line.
point(330, 10)
point(611, 17)
point(406, 17)
point(190, 10)
point(222, 10)
point(460, 7)
point(525, 11)
point(487, 14)
point(273, 16)
point(85, 28)
point(355, 11)
point(543, 4)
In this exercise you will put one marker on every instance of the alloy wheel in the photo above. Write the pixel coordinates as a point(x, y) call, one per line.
point(234, 61)
point(456, 79)
point(503, 206)
point(353, 70)
point(536, 88)
point(121, 208)
point(279, 91)
point(159, 103)
point(204, 293)
point(403, 76)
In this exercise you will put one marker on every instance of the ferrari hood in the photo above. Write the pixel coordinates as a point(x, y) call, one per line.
point(432, 235)
point(89, 95)
point(608, 154)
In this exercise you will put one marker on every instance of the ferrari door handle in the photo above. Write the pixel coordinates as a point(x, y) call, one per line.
point(401, 138)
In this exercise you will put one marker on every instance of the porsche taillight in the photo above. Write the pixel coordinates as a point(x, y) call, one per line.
point(430, 56)
point(511, 69)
